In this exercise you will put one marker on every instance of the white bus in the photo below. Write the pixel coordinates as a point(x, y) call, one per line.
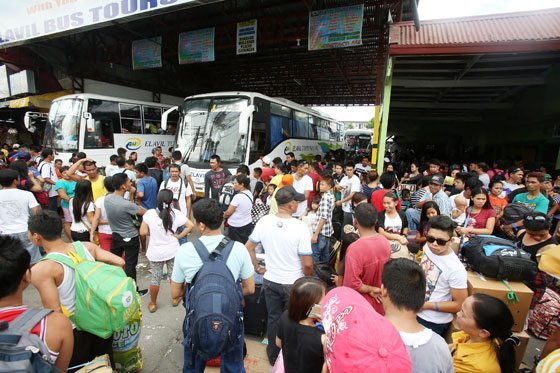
point(358, 141)
point(242, 127)
point(98, 125)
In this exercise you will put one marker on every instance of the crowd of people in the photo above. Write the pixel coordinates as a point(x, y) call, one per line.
point(395, 286)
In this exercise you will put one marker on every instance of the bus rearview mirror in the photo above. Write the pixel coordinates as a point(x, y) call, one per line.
point(244, 119)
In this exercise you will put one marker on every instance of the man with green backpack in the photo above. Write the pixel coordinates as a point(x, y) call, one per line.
point(85, 283)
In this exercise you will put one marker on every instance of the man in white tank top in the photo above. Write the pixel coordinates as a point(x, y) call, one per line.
point(56, 282)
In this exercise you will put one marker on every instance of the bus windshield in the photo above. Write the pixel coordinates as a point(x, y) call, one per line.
point(358, 142)
point(211, 126)
point(63, 125)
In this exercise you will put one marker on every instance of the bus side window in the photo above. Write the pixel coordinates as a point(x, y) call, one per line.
point(105, 116)
point(300, 125)
point(131, 118)
point(152, 120)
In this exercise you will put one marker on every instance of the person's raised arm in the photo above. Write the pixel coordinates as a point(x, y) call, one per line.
point(75, 167)
point(104, 256)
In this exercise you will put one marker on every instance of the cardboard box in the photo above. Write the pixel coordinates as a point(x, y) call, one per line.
point(479, 284)
point(520, 350)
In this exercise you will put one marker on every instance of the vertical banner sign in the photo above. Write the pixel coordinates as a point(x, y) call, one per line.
point(146, 53)
point(196, 46)
point(336, 27)
point(247, 37)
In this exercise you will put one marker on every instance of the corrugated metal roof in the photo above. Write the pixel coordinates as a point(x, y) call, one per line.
point(542, 25)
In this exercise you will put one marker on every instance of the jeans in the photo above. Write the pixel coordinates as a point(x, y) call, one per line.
point(53, 203)
point(276, 297)
point(230, 362)
point(436, 328)
point(321, 249)
point(413, 217)
point(130, 247)
point(33, 250)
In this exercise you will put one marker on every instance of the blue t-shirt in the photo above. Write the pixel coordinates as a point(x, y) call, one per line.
point(540, 203)
point(148, 186)
point(68, 186)
point(187, 261)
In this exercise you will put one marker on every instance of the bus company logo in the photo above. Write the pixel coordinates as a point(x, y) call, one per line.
point(288, 148)
point(133, 143)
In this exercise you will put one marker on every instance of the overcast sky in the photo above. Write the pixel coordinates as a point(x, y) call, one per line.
point(433, 9)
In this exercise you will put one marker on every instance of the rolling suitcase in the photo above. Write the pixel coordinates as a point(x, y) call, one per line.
point(254, 314)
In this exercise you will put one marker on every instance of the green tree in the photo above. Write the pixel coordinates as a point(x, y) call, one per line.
point(370, 124)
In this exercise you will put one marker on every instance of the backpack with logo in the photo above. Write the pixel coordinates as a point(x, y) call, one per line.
point(214, 318)
point(498, 258)
point(106, 299)
point(21, 350)
point(545, 318)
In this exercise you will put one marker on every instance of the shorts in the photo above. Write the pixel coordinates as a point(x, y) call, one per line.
point(105, 241)
point(67, 216)
point(33, 250)
point(157, 271)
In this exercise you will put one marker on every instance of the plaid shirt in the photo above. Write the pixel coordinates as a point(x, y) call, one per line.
point(325, 210)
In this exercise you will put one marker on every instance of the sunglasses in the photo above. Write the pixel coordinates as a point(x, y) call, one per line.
point(538, 217)
point(439, 241)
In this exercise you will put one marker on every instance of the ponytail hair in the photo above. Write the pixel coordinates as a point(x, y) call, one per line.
point(164, 207)
point(494, 316)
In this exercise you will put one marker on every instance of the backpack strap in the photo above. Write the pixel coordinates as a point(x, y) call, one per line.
point(224, 248)
point(28, 319)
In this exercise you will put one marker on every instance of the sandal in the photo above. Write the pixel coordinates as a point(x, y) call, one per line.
point(176, 302)
point(152, 307)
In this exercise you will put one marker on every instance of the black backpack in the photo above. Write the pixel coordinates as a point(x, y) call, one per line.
point(514, 212)
point(499, 258)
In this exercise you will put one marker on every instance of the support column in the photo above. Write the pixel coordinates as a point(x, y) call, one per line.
point(385, 115)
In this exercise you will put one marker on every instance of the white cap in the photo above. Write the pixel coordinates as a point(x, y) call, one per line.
point(266, 159)
point(15, 146)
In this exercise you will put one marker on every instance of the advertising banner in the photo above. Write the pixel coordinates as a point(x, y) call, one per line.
point(23, 20)
point(336, 27)
point(4, 82)
point(247, 37)
point(146, 53)
point(196, 46)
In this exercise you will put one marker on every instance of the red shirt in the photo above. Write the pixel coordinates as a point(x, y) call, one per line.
point(364, 263)
point(267, 174)
point(377, 200)
point(482, 217)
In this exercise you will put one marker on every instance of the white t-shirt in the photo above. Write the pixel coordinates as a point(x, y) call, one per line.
point(179, 186)
point(310, 219)
point(302, 185)
point(110, 169)
point(79, 226)
point(103, 228)
point(485, 179)
point(284, 241)
point(15, 206)
point(48, 172)
point(349, 186)
point(131, 175)
point(243, 203)
point(163, 245)
point(360, 168)
point(185, 171)
point(508, 188)
point(443, 272)
point(393, 225)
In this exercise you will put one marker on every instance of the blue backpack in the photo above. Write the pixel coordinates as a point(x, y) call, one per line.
point(214, 317)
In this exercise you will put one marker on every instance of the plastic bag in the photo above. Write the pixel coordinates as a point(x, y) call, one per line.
point(126, 352)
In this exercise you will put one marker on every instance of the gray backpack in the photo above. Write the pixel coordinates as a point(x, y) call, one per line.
point(20, 350)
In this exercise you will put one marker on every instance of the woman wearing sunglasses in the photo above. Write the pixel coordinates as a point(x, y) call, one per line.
point(446, 277)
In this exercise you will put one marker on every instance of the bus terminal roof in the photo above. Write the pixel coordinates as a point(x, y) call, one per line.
point(282, 67)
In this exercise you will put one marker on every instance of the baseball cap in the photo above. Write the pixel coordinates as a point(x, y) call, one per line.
point(15, 146)
point(287, 195)
point(547, 177)
point(266, 159)
point(350, 323)
point(436, 179)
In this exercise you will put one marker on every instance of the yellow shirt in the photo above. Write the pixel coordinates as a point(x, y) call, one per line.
point(474, 357)
point(97, 187)
point(276, 180)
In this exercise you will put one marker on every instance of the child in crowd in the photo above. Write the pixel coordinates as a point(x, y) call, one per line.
point(405, 195)
point(311, 214)
point(403, 288)
point(429, 210)
point(322, 228)
point(259, 184)
point(459, 213)
point(269, 193)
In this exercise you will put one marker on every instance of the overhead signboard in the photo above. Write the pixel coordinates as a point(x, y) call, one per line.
point(336, 27)
point(23, 20)
point(146, 53)
point(247, 37)
point(196, 46)
point(22, 82)
point(4, 82)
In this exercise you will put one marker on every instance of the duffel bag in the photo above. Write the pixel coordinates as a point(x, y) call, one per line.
point(498, 258)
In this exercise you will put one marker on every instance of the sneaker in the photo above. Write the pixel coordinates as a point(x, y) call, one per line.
point(143, 292)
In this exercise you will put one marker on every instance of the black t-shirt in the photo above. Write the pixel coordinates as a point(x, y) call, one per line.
point(301, 346)
point(533, 249)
